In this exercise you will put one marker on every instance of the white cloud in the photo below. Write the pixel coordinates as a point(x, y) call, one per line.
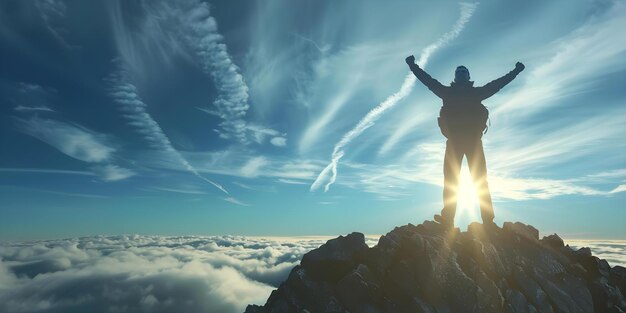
point(424, 163)
point(135, 110)
point(565, 74)
point(21, 108)
point(185, 189)
point(110, 172)
point(231, 161)
point(417, 117)
point(295, 169)
point(200, 31)
point(129, 274)
point(54, 192)
point(279, 141)
point(292, 182)
point(536, 188)
point(313, 131)
point(144, 38)
point(45, 171)
point(31, 98)
point(259, 133)
point(187, 29)
point(53, 13)
point(614, 251)
point(263, 187)
point(620, 188)
point(253, 166)
point(73, 140)
point(235, 201)
point(609, 174)
point(133, 273)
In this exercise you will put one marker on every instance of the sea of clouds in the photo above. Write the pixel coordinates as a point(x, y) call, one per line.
point(146, 273)
point(163, 274)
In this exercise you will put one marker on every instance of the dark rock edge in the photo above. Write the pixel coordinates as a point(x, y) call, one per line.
point(425, 268)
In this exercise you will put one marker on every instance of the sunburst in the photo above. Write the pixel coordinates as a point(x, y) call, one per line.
point(467, 197)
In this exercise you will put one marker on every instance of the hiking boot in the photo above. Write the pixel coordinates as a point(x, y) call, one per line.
point(445, 222)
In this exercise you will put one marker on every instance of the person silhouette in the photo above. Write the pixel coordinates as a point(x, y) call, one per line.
point(462, 120)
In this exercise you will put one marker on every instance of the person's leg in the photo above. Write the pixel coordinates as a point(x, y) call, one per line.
point(451, 173)
point(478, 169)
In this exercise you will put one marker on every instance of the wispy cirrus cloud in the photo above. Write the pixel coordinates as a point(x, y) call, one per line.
point(53, 13)
point(467, 10)
point(77, 142)
point(235, 201)
point(515, 151)
point(32, 98)
point(73, 140)
point(620, 188)
point(199, 28)
point(279, 141)
point(292, 182)
point(30, 190)
point(135, 110)
point(45, 171)
point(186, 29)
point(253, 166)
point(111, 172)
point(235, 162)
point(22, 108)
point(260, 133)
point(563, 74)
point(400, 181)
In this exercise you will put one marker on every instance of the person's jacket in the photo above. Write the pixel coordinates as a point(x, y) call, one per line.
point(462, 112)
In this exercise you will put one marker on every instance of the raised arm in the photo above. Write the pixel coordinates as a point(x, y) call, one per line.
point(494, 86)
point(434, 85)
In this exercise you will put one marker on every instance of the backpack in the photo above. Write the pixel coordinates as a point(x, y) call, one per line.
point(463, 120)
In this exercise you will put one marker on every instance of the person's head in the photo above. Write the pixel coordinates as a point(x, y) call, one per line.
point(461, 74)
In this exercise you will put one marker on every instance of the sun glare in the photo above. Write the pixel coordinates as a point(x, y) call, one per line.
point(467, 205)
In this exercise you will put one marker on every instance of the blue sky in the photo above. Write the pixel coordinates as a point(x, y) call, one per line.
point(284, 118)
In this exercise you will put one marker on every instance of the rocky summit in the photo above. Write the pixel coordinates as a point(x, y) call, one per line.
point(425, 268)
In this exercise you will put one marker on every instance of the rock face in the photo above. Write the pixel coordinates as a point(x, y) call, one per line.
point(425, 269)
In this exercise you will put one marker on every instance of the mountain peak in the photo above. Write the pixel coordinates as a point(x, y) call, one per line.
point(427, 269)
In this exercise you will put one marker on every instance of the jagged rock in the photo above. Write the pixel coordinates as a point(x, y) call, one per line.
point(522, 230)
point(582, 252)
point(335, 258)
point(516, 302)
point(618, 278)
point(427, 269)
point(359, 291)
point(253, 308)
point(553, 240)
point(531, 289)
point(606, 297)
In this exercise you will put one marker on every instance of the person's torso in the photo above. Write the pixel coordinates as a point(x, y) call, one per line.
point(462, 112)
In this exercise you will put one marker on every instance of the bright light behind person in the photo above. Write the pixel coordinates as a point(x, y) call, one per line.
point(467, 198)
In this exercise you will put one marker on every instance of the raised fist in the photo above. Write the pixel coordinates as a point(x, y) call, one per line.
point(410, 60)
point(519, 66)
